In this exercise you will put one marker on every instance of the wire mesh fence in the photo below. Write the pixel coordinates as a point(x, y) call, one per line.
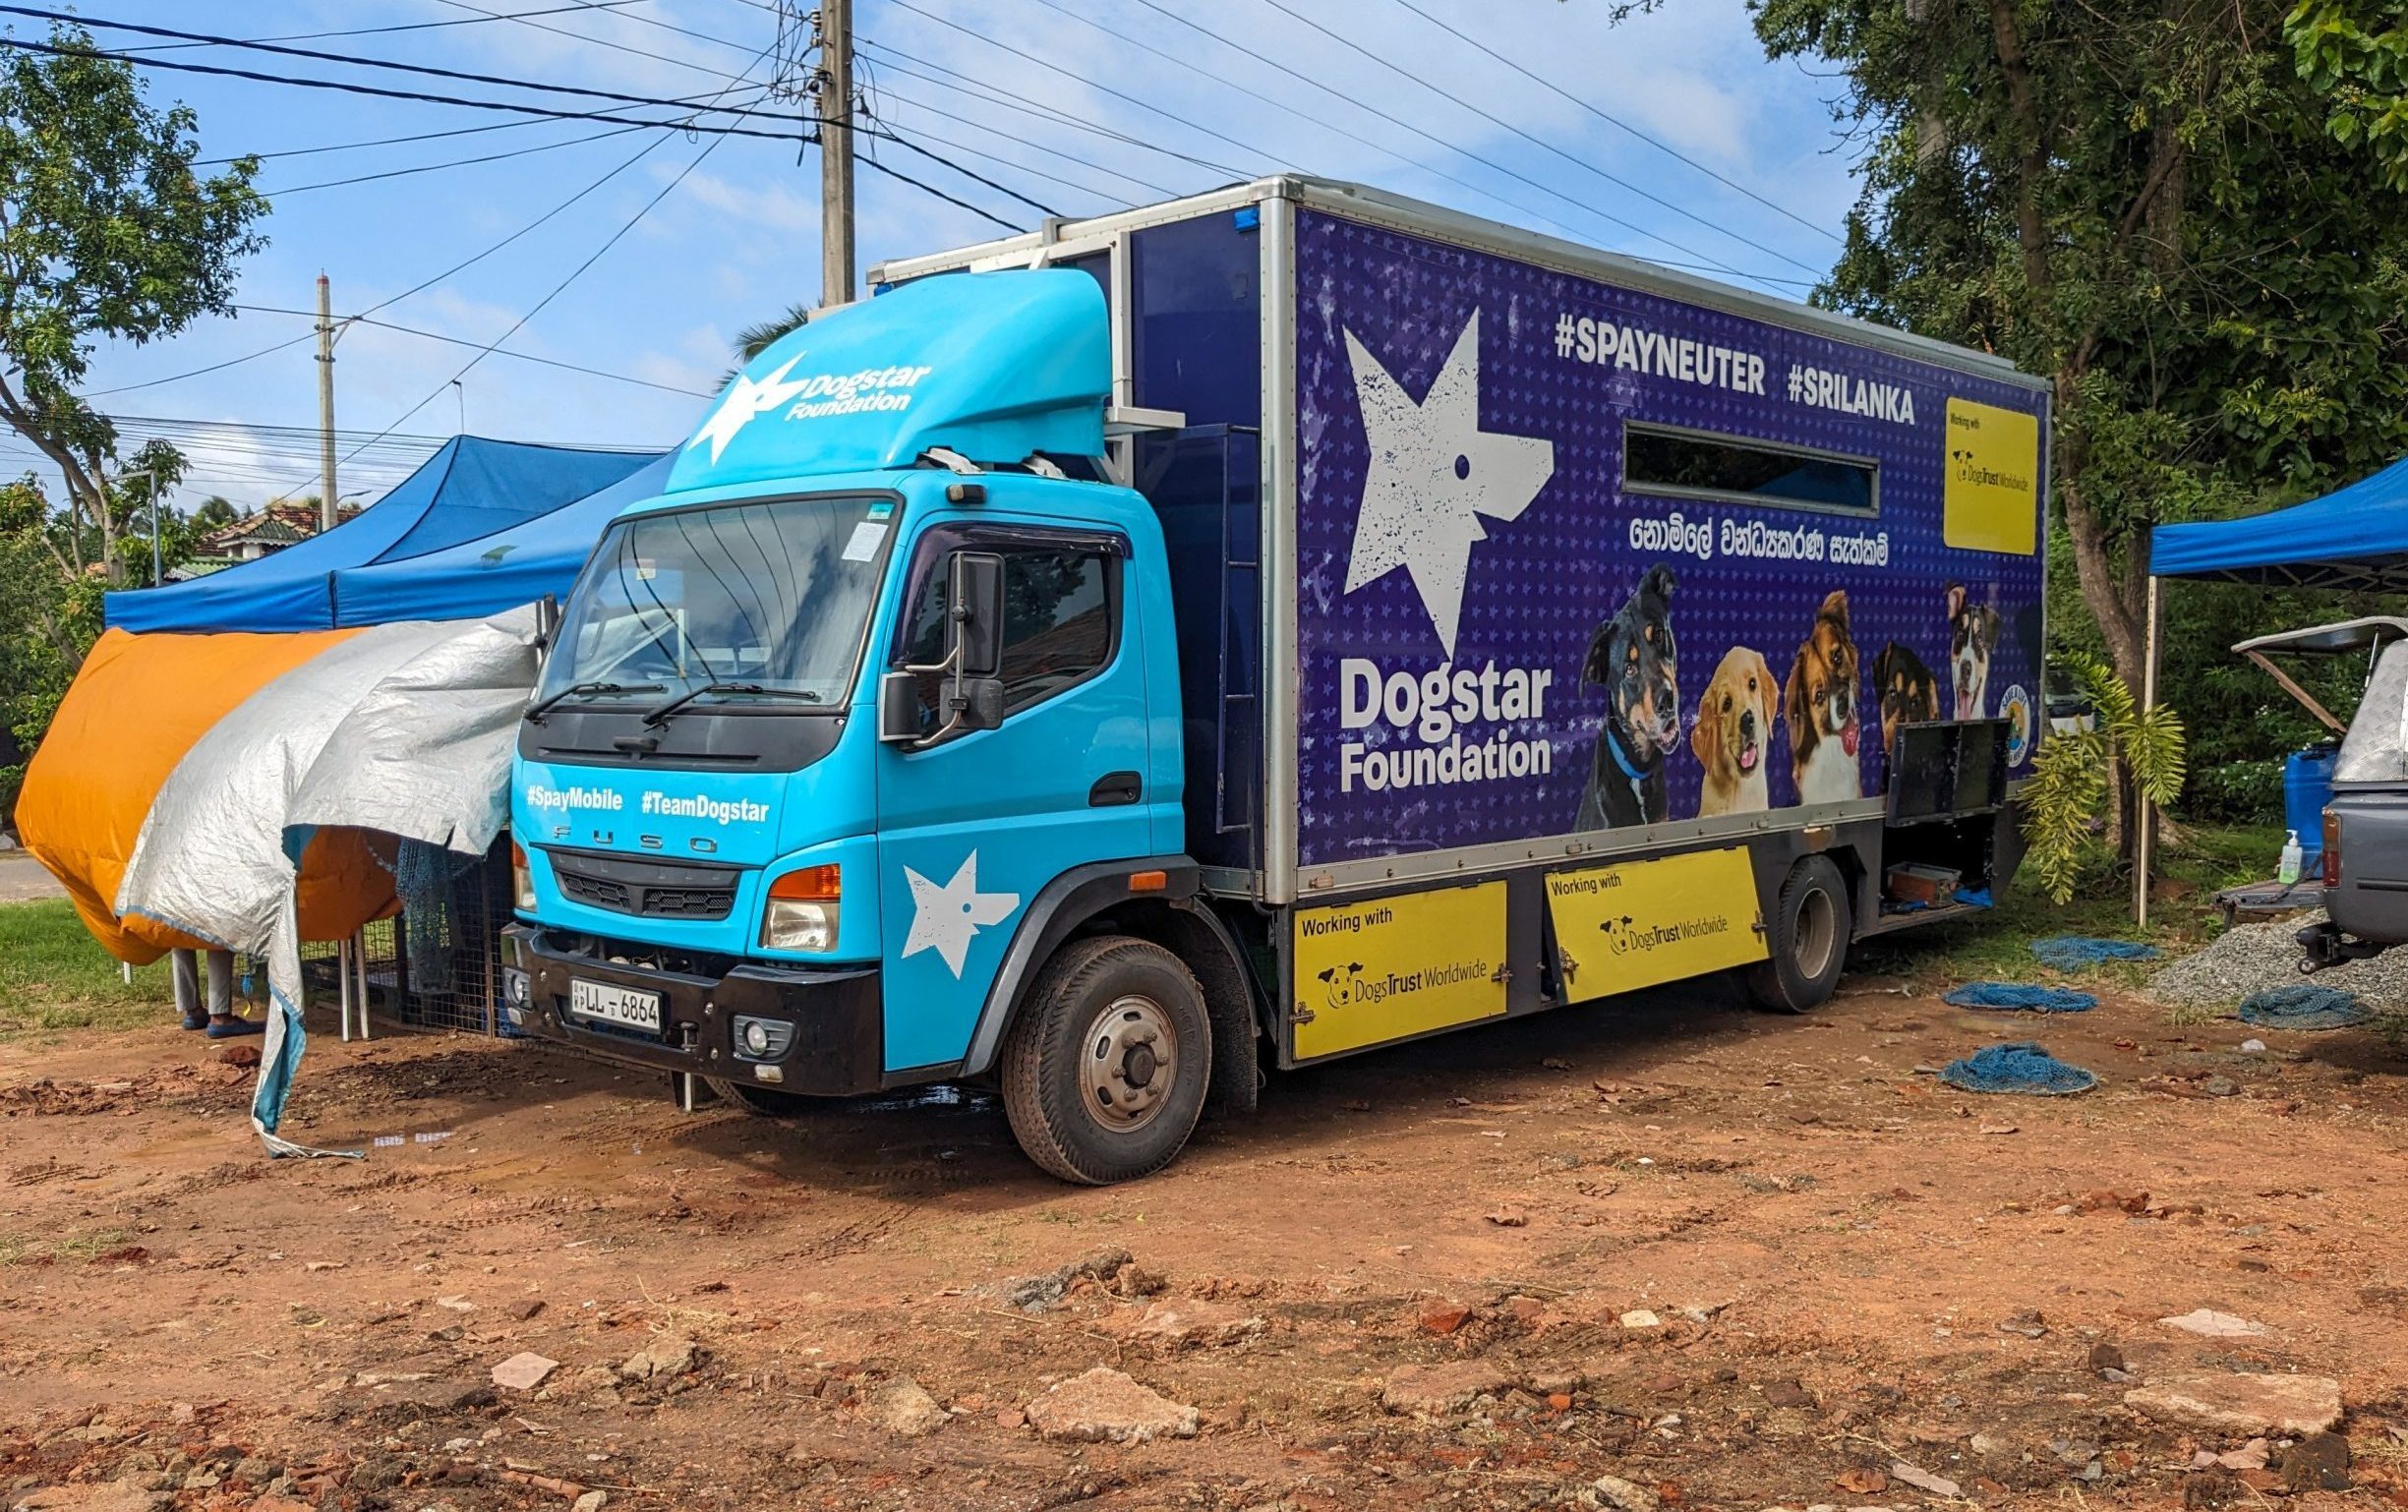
point(435, 965)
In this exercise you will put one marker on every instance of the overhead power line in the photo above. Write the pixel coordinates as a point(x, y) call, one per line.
point(600, 41)
point(433, 336)
point(1613, 120)
point(410, 26)
point(1501, 123)
point(888, 90)
point(1051, 67)
point(346, 87)
point(1380, 148)
point(425, 70)
point(996, 95)
point(456, 162)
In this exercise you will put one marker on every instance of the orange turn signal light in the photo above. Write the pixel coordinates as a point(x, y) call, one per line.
point(811, 884)
point(1148, 881)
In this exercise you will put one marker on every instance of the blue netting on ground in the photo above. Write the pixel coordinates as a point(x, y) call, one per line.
point(2071, 953)
point(2304, 1006)
point(2018, 1067)
point(2014, 995)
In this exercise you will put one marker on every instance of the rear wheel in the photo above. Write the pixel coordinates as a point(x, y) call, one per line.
point(759, 1101)
point(1808, 936)
point(1105, 1070)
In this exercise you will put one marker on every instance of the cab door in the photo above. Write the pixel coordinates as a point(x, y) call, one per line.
point(970, 826)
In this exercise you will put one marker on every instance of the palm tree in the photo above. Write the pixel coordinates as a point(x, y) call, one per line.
point(759, 337)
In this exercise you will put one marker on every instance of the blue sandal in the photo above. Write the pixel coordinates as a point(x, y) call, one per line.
point(196, 1020)
point(235, 1028)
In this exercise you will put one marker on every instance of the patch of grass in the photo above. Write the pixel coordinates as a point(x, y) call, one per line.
point(25, 1250)
point(53, 977)
point(1997, 946)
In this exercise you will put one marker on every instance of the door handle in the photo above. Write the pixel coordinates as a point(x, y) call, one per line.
point(1115, 789)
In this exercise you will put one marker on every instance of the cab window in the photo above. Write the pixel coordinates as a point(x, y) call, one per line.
point(1061, 614)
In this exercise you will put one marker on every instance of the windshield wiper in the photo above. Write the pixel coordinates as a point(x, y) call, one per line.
point(661, 716)
point(538, 710)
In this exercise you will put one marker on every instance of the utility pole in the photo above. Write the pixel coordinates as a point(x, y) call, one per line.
point(835, 102)
point(326, 400)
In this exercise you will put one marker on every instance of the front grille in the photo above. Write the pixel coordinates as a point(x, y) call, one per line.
point(687, 903)
point(597, 892)
point(657, 890)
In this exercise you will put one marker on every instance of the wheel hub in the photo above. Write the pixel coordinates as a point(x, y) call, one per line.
point(1132, 1062)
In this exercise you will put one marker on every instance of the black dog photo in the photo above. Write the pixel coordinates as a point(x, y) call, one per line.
point(1633, 659)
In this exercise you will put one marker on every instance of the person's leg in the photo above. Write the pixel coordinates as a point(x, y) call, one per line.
point(186, 971)
point(222, 1022)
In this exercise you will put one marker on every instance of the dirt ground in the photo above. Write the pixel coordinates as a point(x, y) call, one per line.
point(1726, 1260)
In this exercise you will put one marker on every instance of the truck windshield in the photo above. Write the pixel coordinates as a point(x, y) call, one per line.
point(768, 598)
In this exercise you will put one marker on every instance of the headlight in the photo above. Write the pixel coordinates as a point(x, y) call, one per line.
point(801, 912)
point(522, 880)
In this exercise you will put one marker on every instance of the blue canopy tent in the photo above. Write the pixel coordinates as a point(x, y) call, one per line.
point(470, 488)
point(494, 573)
point(2355, 537)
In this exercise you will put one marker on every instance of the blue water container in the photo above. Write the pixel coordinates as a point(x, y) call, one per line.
point(2307, 786)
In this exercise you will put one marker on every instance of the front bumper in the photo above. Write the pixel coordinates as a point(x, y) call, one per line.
point(835, 1047)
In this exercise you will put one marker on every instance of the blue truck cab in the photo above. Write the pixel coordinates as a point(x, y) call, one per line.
point(1257, 629)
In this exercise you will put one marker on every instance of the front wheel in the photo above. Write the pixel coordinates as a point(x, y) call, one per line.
point(1105, 1070)
point(1808, 936)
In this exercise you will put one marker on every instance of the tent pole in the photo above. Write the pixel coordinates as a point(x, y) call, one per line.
point(2140, 805)
point(342, 972)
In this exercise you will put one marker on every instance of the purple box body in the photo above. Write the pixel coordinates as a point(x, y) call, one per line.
point(1502, 638)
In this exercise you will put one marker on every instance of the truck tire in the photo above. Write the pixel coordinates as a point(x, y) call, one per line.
point(759, 1101)
point(1808, 935)
point(1104, 1071)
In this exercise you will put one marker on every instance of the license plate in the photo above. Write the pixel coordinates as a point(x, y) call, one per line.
point(631, 1007)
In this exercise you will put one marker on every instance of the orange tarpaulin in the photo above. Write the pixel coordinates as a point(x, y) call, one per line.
point(137, 707)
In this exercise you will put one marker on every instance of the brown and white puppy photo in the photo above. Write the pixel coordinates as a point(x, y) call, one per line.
point(1819, 706)
point(1909, 694)
point(1734, 735)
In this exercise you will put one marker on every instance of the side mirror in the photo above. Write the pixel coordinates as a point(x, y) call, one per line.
point(899, 708)
point(975, 601)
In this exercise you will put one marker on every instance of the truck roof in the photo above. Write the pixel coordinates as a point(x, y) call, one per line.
point(1378, 206)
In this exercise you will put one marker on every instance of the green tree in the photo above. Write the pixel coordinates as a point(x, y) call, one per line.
point(216, 512)
point(2357, 54)
point(106, 232)
point(2140, 201)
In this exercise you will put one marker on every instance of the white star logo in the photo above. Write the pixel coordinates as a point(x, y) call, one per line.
point(1432, 473)
point(745, 399)
point(945, 919)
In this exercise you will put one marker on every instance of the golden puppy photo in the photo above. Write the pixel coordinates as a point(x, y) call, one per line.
point(1735, 727)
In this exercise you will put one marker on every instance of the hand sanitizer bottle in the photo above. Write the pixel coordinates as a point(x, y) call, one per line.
point(2288, 872)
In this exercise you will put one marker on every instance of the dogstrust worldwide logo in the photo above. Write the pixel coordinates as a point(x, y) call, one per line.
point(1434, 475)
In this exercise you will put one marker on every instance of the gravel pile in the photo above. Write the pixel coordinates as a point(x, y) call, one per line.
point(2250, 957)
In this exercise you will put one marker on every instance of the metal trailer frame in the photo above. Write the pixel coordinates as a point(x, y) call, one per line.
point(1282, 881)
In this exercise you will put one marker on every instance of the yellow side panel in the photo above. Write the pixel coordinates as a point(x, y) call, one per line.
point(1990, 489)
point(1383, 969)
point(1645, 922)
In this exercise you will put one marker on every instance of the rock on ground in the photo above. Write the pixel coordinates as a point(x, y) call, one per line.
point(1036, 1294)
point(1621, 1494)
point(523, 1372)
point(671, 1354)
point(1179, 1323)
point(902, 1406)
point(1105, 1405)
point(2242, 1404)
point(1433, 1390)
point(2214, 1325)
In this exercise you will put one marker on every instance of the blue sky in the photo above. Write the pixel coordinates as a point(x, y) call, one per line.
point(736, 239)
